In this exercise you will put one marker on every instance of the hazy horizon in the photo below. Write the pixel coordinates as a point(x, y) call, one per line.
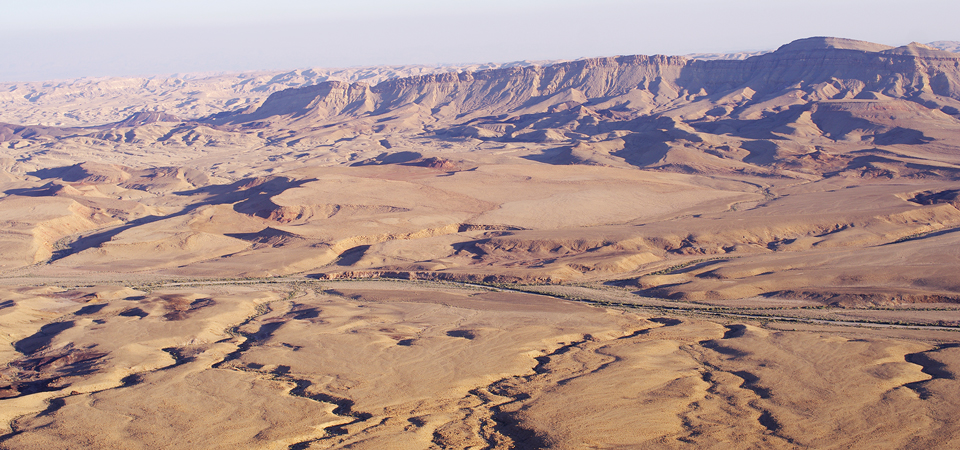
point(56, 39)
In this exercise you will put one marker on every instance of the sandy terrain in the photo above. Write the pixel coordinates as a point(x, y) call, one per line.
point(303, 364)
point(753, 251)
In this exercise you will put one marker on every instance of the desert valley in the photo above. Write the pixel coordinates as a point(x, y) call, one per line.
point(715, 251)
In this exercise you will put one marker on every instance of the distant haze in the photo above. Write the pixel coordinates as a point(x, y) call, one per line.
point(55, 39)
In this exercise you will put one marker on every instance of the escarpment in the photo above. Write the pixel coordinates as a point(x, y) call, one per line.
point(853, 69)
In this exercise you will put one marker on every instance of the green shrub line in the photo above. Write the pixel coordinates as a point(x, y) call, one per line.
point(680, 266)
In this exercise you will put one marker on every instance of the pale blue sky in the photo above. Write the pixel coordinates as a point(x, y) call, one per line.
point(55, 39)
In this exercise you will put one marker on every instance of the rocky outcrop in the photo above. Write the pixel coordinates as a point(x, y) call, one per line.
point(819, 68)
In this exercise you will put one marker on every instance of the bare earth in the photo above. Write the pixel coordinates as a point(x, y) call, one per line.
point(754, 251)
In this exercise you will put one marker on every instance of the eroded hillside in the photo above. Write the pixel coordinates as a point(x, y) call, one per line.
point(607, 168)
point(733, 218)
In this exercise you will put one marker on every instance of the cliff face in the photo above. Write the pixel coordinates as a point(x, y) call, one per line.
point(489, 92)
point(819, 68)
point(765, 114)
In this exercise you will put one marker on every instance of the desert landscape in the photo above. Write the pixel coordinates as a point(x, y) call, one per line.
point(745, 250)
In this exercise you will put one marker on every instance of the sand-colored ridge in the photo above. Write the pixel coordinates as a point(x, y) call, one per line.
point(289, 348)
